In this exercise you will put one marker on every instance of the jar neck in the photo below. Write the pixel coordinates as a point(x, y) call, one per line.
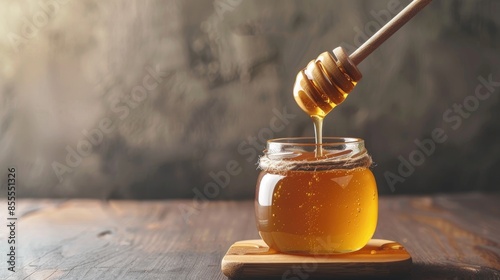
point(302, 154)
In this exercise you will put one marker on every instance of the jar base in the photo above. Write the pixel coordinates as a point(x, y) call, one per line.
point(287, 243)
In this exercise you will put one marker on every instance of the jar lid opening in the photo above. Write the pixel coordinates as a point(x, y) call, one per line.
point(301, 153)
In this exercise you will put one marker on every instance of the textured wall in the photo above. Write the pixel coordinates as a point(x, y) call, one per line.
point(145, 99)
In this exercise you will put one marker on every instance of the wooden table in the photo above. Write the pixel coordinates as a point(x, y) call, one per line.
point(449, 237)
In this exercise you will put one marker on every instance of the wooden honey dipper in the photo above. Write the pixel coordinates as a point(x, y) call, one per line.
point(327, 80)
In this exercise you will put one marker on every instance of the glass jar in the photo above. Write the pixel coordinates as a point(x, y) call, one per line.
point(316, 199)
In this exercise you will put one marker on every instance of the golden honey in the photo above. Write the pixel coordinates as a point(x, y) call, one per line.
point(305, 210)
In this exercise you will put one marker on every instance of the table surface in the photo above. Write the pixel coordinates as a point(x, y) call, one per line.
point(448, 236)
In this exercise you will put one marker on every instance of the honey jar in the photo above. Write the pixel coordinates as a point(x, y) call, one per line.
point(316, 198)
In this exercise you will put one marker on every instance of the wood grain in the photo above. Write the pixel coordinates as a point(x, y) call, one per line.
point(447, 236)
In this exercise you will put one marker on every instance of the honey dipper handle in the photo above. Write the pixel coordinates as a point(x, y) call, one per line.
point(387, 30)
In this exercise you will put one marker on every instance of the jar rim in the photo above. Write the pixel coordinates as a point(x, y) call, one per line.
point(311, 141)
point(284, 154)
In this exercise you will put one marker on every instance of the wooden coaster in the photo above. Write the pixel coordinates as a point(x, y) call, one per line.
point(378, 259)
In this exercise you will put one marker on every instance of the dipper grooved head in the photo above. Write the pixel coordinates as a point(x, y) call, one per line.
point(325, 82)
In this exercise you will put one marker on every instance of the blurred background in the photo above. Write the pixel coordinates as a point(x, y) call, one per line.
point(169, 99)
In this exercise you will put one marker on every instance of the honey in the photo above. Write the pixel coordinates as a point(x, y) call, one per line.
point(317, 205)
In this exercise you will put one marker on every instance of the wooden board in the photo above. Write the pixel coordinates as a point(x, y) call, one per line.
point(252, 259)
